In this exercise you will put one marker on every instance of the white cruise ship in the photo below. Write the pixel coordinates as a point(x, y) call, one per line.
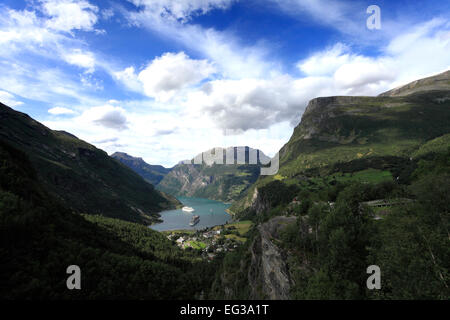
point(188, 209)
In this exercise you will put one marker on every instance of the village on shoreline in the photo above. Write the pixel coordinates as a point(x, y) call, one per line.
point(211, 241)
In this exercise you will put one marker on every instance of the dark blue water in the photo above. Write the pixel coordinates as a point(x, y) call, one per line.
point(212, 213)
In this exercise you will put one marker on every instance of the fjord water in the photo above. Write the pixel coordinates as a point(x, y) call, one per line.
point(211, 213)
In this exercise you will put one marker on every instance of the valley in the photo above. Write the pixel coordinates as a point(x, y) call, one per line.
point(307, 232)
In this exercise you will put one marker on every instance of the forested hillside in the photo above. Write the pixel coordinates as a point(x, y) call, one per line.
point(40, 238)
point(151, 173)
point(362, 181)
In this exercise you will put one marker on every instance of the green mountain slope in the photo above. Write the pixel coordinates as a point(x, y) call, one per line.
point(225, 182)
point(381, 133)
point(318, 223)
point(83, 177)
point(40, 238)
point(151, 173)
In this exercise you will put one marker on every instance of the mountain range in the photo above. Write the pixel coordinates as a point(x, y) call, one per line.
point(315, 233)
point(225, 182)
point(151, 173)
point(63, 202)
point(81, 176)
point(355, 134)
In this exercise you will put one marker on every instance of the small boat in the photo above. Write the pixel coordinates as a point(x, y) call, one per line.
point(194, 221)
point(188, 209)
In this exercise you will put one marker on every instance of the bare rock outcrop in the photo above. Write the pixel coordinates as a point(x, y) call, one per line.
point(268, 273)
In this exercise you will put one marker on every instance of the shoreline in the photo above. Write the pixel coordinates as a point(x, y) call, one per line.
point(231, 213)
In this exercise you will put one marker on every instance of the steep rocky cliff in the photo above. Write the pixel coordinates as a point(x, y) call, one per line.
point(225, 182)
point(259, 270)
point(268, 273)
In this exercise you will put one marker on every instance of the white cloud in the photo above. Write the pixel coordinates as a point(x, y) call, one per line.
point(162, 137)
point(230, 57)
point(60, 111)
point(24, 28)
point(232, 86)
point(36, 82)
point(107, 116)
point(181, 10)
point(68, 15)
point(362, 71)
point(337, 14)
point(128, 78)
point(81, 59)
point(257, 103)
point(171, 72)
point(28, 42)
point(247, 104)
point(9, 99)
point(325, 62)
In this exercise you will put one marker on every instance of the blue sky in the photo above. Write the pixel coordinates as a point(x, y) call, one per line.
point(167, 79)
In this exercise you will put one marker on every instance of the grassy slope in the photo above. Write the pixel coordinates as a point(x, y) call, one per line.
point(365, 128)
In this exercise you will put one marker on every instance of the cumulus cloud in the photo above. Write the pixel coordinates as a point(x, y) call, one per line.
point(231, 57)
point(257, 103)
point(68, 15)
point(232, 86)
point(171, 72)
point(325, 62)
point(9, 99)
point(60, 111)
point(166, 76)
point(107, 116)
point(128, 78)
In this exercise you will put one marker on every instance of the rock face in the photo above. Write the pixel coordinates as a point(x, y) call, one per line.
point(224, 182)
point(268, 274)
point(259, 204)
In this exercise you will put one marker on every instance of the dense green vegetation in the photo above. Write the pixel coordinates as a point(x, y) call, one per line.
point(151, 173)
point(345, 152)
point(330, 246)
point(231, 281)
point(383, 133)
point(40, 238)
